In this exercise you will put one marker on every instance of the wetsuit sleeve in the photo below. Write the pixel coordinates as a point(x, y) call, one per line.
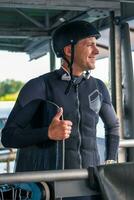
point(111, 124)
point(19, 130)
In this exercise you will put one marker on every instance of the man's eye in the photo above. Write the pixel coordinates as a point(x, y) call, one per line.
point(89, 45)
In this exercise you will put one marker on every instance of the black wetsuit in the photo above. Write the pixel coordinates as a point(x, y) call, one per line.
point(38, 101)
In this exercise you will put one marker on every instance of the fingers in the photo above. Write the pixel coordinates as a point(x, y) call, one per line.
point(59, 129)
point(67, 131)
point(66, 123)
point(67, 136)
point(58, 114)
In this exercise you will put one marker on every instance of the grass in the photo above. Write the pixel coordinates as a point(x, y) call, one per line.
point(9, 97)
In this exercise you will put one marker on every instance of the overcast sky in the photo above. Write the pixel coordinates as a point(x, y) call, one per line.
point(17, 66)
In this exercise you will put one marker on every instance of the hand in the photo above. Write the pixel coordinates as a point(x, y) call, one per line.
point(59, 129)
point(107, 162)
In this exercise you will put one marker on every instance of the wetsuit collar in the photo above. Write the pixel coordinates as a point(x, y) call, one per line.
point(65, 75)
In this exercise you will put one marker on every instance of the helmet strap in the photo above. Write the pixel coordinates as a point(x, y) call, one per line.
point(70, 68)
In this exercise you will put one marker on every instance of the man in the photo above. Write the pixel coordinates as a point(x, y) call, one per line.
point(53, 123)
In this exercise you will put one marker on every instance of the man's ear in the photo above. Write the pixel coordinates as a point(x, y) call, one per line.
point(67, 50)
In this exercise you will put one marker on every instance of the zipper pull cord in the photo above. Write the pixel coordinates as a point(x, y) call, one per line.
point(63, 141)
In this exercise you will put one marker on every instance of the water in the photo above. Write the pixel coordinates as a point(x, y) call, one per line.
point(5, 108)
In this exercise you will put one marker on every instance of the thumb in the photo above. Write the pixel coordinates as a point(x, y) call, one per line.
point(59, 113)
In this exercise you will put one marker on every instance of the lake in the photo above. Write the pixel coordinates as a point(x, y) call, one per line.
point(5, 108)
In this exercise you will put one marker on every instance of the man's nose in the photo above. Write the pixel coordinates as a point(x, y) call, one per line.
point(96, 50)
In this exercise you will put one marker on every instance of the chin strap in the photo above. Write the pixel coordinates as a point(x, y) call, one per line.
point(70, 68)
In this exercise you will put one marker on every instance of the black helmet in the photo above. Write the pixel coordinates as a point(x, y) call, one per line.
point(71, 33)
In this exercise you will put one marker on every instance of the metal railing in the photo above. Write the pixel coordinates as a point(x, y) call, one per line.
point(76, 177)
point(11, 154)
point(52, 175)
point(126, 143)
point(66, 183)
point(7, 155)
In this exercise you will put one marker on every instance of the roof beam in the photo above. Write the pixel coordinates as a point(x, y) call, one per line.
point(127, 9)
point(61, 4)
point(102, 46)
point(32, 20)
point(131, 29)
point(11, 45)
point(13, 36)
point(20, 33)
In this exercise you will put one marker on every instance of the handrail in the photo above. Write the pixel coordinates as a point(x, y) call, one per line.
point(7, 155)
point(126, 143)
point(10, 156)
point(38, 176)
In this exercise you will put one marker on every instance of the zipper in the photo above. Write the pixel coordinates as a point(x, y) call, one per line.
point(78, 128)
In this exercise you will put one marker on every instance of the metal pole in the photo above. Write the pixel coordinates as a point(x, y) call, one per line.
point(5, 157)
point(126, 143)
point(52, 58)
point(128, 86)
point(112, 59)
point(118, 78)
point(51, 53)
point(52, 175)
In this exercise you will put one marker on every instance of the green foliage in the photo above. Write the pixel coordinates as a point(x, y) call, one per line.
point(9, 97)
point(10, 87)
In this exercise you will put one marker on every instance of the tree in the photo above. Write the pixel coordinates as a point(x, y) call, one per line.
point(10, 86)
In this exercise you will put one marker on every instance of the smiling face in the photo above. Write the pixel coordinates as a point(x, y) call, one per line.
point(85, 55)
point(85, 52)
